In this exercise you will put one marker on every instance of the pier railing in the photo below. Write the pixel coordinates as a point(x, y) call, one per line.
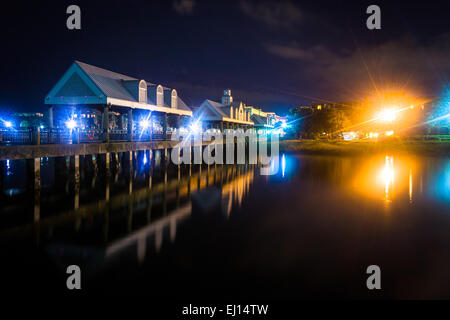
point(66, 136)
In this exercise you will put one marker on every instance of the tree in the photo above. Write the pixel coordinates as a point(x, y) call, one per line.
point(311, 123)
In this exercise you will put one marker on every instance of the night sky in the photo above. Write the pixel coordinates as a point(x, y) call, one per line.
point(274, 55)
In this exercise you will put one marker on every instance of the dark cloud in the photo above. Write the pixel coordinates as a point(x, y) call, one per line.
point(274, 14)
point(184, 7)
point(403, 64)
point(317, 54)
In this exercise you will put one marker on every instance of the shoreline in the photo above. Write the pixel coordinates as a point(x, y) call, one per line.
point(364, 147)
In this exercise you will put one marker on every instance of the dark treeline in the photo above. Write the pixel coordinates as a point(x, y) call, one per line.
point(310, 123)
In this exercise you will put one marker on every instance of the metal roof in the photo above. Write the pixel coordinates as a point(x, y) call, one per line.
point(217, 107)
point(257, 119)
point(111, 84)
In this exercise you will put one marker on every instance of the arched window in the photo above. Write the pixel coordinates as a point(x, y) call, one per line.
point(159, 95)
point(142, 91)
point(231, 112)
point(174, 99)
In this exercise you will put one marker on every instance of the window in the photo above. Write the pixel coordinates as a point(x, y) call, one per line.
point(159, 95)
point(142, 91)
point(174, 99)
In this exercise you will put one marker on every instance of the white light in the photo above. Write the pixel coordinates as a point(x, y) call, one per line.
point(71, 124)
point(8, 124)
point(144, 124)
point(284, 124)
point(195, 127)
point(387, 115)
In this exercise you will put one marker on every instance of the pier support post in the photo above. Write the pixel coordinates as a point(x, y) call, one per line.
point(116, 162)
point(34, 178)
point(130, 125)
point(107, 191)
point(165, 126)
point(36, 136)
point(77, 169)
point(36, 171)
point(76, 162)
point(150, 168)
point(107, 163)
point(106, 124)
point(50, 117)
point(37, 188)
point(129, 160)
point(166, 156)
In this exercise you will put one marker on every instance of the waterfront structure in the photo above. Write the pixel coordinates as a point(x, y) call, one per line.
point(225, 115)
point(119, 101)
point(262, 120)
point(26, 120)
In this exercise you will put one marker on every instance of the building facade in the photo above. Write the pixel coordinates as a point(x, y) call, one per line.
point(113, 101)
point(225, 115)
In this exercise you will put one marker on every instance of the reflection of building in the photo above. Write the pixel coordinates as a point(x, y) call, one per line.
point(235, 190)
point(226, 115)
point(147, 216)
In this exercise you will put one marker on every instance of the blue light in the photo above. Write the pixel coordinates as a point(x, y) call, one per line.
point(439, 181)
point(71, 124)
point(8, 124)
point(144, 124)
point(195, 127)
point(441, 114)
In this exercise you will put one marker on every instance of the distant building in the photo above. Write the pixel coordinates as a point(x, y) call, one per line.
point(226, 115)
point(29, 120)
point(317, 106)
point(260, 118)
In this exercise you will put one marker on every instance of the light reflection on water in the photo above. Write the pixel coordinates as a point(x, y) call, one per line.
point(391, 177)
point(313, 209)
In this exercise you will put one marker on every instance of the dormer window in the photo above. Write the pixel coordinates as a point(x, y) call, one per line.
point(159, 96)
point(174, 99)
point(142, 91)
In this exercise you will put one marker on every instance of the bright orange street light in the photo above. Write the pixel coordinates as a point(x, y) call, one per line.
point(387, 115)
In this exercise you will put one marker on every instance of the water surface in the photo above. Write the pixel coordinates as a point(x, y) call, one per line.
point(311, 230)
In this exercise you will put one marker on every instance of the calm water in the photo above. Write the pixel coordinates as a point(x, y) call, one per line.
point(309, 231)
